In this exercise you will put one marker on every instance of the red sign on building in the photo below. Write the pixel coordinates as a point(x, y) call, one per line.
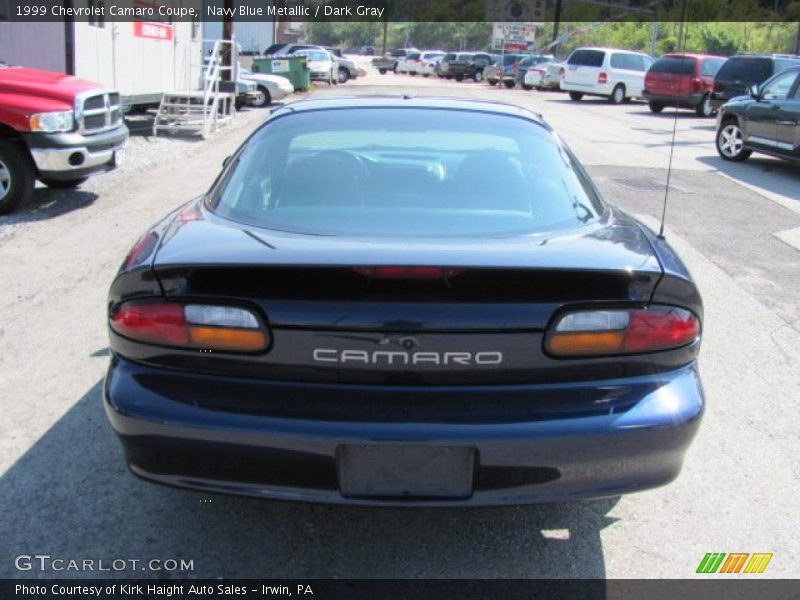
point(153, 31)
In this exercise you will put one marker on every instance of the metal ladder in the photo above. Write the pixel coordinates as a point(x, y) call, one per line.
point(205, 110)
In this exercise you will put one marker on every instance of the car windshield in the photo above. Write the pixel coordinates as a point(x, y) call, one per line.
point(464, 56)
point(510, 59)
point(679, 65)
point(405, 172)
point(587, 58)
point(750, 69)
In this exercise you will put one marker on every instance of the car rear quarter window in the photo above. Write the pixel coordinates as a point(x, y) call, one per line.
point(711, 66)
point(748, 69)
point(406, 172)
point(587, 58)
point(679, 65)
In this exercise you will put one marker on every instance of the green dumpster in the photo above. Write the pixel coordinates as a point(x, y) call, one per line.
point(291, 67)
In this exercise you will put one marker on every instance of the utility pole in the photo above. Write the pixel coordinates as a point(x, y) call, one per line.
point(385, 25)
point(556, 20)
point(227, 49)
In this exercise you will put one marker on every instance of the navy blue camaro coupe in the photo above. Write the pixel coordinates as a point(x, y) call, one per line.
point(408, 301)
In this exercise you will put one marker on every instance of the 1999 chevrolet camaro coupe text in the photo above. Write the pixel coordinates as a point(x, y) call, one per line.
point(404, 301)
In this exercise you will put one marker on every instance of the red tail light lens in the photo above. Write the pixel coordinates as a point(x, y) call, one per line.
point(621, 331)
point(409, 272)
point(193, 326)
point(602, 78)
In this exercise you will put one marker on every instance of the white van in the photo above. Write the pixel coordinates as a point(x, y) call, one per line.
point(615, 74)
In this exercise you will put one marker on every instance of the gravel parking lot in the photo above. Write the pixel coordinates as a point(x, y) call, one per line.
point(66, 492)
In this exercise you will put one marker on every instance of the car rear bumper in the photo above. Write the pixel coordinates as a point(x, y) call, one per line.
point(66, 156)
point(690, 101)
point(175, 442)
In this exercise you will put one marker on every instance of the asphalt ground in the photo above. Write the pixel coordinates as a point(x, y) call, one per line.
point(65, 491)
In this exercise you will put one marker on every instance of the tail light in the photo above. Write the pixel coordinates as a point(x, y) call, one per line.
point(193, 326)
point(602, 78)
point(409, 272)
point(621, 331)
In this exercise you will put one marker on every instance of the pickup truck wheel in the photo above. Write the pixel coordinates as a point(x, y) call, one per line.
point(656, 107)
point(263, 99)
point(344, 75)
point(67, 184)
point(382, 71)
point(478, 76)
point(527, 87)
point(575, 96)
point(510, 84)
point(16, 177)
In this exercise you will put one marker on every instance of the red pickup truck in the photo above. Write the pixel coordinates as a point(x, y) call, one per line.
point(55, 128)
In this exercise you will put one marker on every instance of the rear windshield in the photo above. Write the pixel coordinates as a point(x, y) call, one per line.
point(412, 55)
point(510, 59)
point(405, 172)
point(749, 69)
point(449, 56)
point(680, 65)
point(587, 58)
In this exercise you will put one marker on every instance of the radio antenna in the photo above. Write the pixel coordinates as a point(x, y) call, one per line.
point(682, 46)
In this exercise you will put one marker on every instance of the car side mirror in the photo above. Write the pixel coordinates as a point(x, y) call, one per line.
point(753, 92)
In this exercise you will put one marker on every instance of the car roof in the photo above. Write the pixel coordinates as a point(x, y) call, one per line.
point(406, 101)
point(601, 49)
point(691, 55)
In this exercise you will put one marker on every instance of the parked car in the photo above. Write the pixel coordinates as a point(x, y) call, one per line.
point(55, 128)
point(414, 64)
point(367, 50)
point(443, 68)
point(517, 338)
point(682, 80)
point(269, 88)
point(320, 65)
point(430, 65)
point(767, 120)
point(502, 69)
point(469, 65)
point(546, 76)
point(615, 74)
point(742, 71)
point(390, 62)
point(532, 60)
point(346, 69)
point(404, 63)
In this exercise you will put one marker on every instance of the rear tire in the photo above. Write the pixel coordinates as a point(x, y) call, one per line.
point(576, 96)
point(343, 75)
point(382, 71)
point(704, 109)
point(656, 107)
point(526, 86)
point(459, 78)
point(16, 177)
point(617, 94)
point(68, 184)
point(492, 81)
point(478, 76)
point(510, 84)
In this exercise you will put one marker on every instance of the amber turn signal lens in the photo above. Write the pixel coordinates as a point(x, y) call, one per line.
point(583, 344)
point(226, 339)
